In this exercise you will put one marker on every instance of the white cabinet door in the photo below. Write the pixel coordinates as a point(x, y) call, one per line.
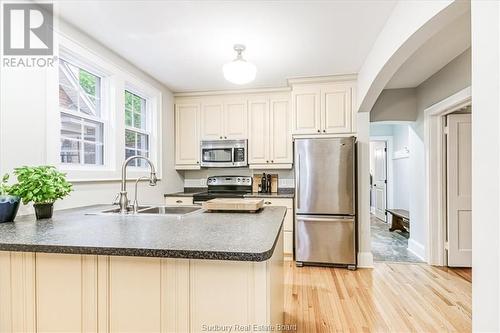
point(258, 138)
point(306, 110)
point(212, 121)
point(336, 109)
point(187, 142)
point(235, 120)
point(280, 135)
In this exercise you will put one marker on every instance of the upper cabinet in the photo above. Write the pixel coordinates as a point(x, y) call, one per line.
point(323, 108)
point(270, 138)
point(223, 119)
point(187, 142)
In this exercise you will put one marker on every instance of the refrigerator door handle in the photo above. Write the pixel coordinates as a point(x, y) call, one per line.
point(297, 176)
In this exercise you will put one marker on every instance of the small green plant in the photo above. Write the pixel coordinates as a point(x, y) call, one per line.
point(40, 184)
point(4, 188)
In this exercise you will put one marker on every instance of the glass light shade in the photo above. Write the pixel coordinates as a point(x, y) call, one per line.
point(239, 71)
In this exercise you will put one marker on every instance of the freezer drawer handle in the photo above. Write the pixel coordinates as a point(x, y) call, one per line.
point(324, 219)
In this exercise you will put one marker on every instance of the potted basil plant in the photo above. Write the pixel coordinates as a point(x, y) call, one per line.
point(9, 204)
point(42, 185)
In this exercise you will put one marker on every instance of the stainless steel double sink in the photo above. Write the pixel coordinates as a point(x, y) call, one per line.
point(155, 210)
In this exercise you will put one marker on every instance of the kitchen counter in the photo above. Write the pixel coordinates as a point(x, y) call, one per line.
point(219, 236)
point(283, 193)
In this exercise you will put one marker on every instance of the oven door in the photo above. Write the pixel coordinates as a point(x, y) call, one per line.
point(223, 154)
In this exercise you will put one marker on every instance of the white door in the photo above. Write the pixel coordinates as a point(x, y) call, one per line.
point(458, 171)
point(379, 178)
point(336, 109)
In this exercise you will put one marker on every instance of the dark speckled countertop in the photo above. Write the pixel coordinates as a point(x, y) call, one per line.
point(218, 236)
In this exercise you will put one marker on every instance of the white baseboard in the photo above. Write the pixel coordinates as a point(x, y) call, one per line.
point(365, 260)
point(416, 248)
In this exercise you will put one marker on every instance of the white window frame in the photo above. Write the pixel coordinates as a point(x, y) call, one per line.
point(153, 121)
point(114, 81)
point(102, 119)
point(148, 120)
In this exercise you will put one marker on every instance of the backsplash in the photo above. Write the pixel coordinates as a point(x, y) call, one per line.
point(198, 178)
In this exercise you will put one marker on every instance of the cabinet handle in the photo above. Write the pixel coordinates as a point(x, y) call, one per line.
point(225, 137)
point(220, 137)
point(268, 202)
point(178, 201)
point(267, 161)
point(319, 131)
point(197, 162)
point(272, 161)
point(324, 131)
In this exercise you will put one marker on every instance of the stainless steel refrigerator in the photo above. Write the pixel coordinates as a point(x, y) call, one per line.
point(325, 201)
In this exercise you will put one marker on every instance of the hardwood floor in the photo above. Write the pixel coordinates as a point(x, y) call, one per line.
point(392, 297)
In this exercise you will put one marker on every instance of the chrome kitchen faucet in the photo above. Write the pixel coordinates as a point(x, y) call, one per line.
point(123, 201)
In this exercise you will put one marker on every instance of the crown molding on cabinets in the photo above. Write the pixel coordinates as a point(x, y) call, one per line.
point(322, 79)
point(232, 92)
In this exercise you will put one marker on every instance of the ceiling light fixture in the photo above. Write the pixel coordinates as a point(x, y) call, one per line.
point(239, 71)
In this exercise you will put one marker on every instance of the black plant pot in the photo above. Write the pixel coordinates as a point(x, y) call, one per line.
point(8, 208)
point(43, 211)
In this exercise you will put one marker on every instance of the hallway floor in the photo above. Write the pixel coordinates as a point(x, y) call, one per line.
point(391, 297)
point(389, 246)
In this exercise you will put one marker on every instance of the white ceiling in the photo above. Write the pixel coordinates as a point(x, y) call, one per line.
point(185, 43)
point(434, 54)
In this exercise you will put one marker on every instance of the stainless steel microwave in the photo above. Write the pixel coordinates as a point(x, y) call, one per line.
point(224, 153)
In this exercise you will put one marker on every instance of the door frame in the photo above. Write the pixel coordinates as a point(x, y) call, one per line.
point(388, 165)
point(435, 170)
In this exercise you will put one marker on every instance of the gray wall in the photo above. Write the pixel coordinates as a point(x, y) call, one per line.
point(395, 104)
point(452, 78)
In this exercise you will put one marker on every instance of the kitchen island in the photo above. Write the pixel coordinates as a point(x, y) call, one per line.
point(192, 273)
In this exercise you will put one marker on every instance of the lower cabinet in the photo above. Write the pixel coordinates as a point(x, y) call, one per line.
point(288, 223)
point(89, 293)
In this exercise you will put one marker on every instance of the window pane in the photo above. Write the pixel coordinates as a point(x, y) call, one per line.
point(93, 131)
point(128, 153)
point(128, 117)
point(142, 141)
point(70, 151)
point(79, 88)
point(92, 153)
point(89, 106)
point(137, 120)
point(88, 82)
point(128, 100)
point(130, 139)
point(137, 104)
point(71, 127)
point(141, 163)
point(68, 98)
